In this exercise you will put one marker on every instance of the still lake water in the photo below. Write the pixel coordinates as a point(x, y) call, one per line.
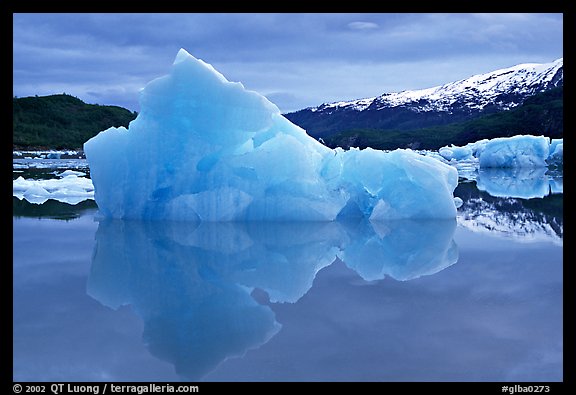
point(477, 299)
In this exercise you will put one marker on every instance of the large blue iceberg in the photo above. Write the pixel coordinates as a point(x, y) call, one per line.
point(206, 149)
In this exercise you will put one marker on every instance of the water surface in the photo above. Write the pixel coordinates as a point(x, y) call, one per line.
point(478, 299)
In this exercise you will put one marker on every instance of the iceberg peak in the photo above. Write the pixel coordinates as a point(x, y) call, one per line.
point(206, 149)
point(181, 55)
point(184, 57)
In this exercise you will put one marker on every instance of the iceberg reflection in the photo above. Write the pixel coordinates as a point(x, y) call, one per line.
point(524, 183)
point(192, 283)
point(522, 219)
point(403, 250)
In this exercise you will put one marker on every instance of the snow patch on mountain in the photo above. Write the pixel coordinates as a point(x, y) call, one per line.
point(502, 88)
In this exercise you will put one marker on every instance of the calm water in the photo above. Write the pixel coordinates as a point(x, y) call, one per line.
point(477, 299)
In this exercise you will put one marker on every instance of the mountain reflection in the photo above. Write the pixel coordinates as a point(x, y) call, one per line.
point(192, 283)
point(522, 219)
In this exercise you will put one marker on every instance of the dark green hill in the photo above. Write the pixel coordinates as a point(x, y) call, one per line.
point(541, 114)
point(61, 121)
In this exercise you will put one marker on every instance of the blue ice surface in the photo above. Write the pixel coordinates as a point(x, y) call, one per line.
point(516, 151)
point(206, 149)
point(520, 151)
point(454, 152)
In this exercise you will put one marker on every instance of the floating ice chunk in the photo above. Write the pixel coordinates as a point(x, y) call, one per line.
point(69, 189)
point(555, 143)
point(206, 149)
point(458, 202)
point(69, 172)
point(36, 194)
point(516, 151)
point(456, 153)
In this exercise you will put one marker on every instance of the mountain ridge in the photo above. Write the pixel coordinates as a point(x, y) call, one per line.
point(461, 100)
point(540, 114)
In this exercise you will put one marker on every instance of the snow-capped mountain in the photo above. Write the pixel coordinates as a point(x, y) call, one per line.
point(460, 100)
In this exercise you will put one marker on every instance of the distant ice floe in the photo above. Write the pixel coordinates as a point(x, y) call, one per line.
point(38, 163)
point(520, 151)
point(49, 154)
point(71, 189)
point(520, 166)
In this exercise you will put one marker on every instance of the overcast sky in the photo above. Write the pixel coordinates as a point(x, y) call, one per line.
point(296, 60)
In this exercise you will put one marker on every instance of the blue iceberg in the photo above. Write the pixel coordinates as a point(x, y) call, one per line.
point(520, 151)
point(515, 151)
point(206, 149)
point(454, 152)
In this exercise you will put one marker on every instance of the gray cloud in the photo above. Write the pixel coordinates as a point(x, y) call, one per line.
point(309, 58)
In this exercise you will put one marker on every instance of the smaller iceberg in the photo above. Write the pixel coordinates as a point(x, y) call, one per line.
point(456, 153)
point(516, 151)
point(521, 151)
point(70, 189)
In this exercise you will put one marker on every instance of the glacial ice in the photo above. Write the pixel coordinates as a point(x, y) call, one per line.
point(515, 151)
point(456, 153)
point(206, 149)
point(520, 151)
point(70, 189)
point(520, 166)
